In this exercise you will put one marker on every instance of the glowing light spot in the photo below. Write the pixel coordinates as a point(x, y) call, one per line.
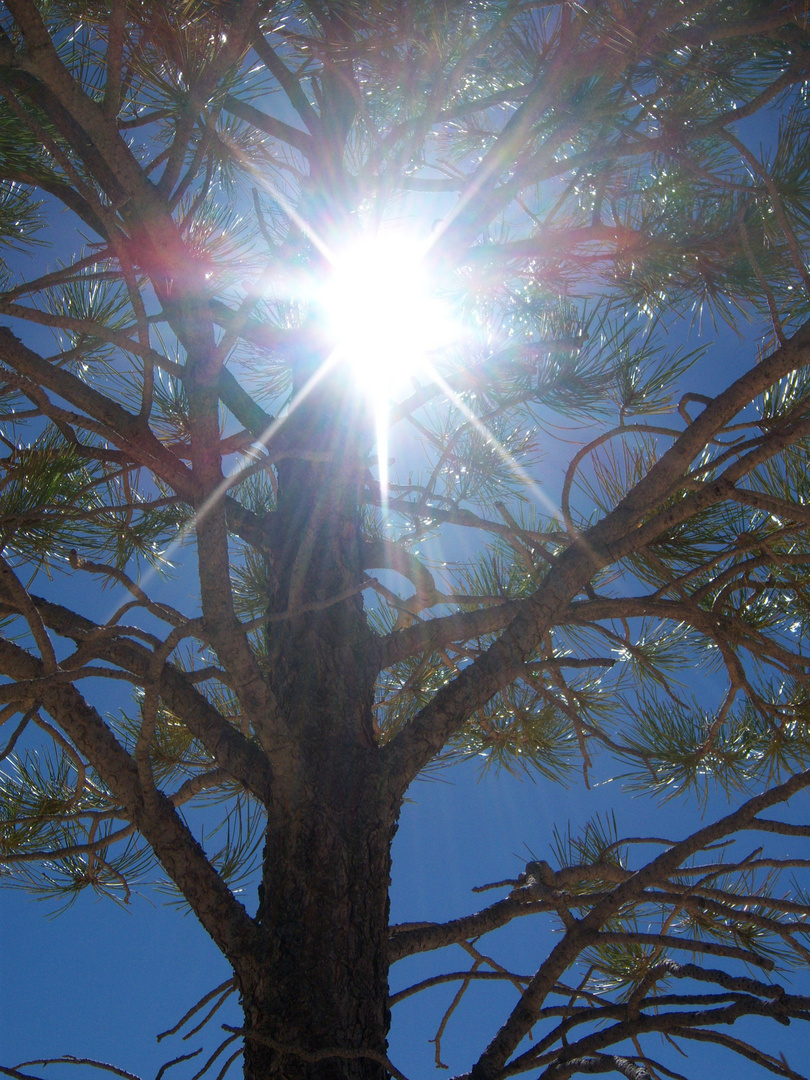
point(382, 313)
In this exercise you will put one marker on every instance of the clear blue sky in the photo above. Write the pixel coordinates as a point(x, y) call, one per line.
point(101, 981)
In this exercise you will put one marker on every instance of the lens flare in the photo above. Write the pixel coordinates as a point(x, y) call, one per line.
point(382, 313)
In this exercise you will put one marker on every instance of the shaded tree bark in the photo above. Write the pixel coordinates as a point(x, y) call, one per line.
point(323, 911)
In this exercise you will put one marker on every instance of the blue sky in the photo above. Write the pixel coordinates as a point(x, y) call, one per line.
point(102, 981)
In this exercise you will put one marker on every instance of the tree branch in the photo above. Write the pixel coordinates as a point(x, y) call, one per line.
point(179, 853)
point(611, 538)
point(124, 429)
point(239, 757)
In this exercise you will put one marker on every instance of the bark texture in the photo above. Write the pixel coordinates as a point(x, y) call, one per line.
point(320, 1003)
point(318, 1009)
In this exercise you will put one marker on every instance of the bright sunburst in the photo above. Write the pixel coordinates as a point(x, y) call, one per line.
point(382, 315)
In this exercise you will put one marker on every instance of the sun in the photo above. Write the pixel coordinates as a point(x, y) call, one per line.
point(382, 313)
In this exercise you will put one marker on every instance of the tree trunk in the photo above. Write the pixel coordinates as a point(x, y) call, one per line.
point(320, 1004)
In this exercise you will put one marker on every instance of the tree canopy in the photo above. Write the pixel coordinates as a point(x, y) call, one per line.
point(387, 384)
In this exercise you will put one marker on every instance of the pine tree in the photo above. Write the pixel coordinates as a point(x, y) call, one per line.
point(391, 323)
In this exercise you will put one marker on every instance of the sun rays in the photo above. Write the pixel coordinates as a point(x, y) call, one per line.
point(385, 320)
point(383, 313)
point(388, 327)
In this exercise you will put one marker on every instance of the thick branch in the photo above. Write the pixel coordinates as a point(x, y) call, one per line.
point(408, 940)
point(443, 631)
point(427, 733)
point(179, 853)
point(239, 757)
point(126, 430)
point(585, 931)
point(269, 124)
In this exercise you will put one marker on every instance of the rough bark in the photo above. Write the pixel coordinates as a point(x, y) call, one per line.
point(319, 1008)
